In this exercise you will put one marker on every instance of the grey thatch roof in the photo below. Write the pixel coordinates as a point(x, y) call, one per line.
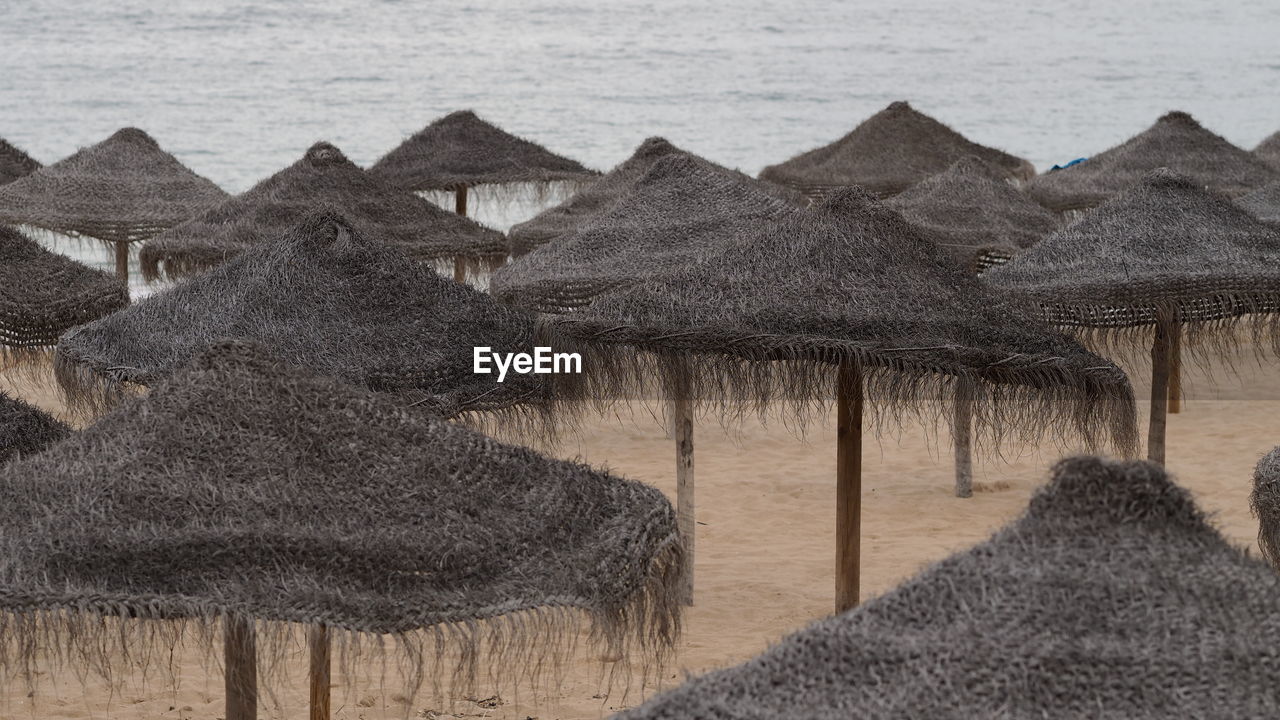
point(14, 163)
point(1263, 203)
point(888, 153)
point(324, 177)
point(1265, 502)
point(679, 205)
point(1269, 150)
point(125, 188)
point(974, 212)
point(1163, 248)
point(600, 196)
point(26, 430)
point(323, 296)
point(43, 294)
point(461, 150)
point(1111, 598)
point(767, 315)
point(1176, 142)
point(242, 487)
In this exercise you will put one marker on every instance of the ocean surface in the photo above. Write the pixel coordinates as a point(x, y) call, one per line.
point(239, 90)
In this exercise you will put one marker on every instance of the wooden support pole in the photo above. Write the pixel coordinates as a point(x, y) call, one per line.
point(240, 668)
point(459, 270)
point(460, 207)
point(962, 437)
point(122, 263)
point(318, 643)
point(1175, 368)
point(686, 518)
point(848, 484)
point(1159, 393)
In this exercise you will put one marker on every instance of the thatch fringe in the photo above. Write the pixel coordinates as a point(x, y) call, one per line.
point(114, 638)
point(157, 265)
point(506, 195)
point(1020, 399)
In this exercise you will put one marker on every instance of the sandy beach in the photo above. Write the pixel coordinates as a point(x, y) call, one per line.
point(765, 502)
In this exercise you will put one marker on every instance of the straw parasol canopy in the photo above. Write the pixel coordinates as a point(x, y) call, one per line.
point(1166, 254)
point(44, 294)
point(323, 296)
point(680, 204)
point(1112, 596)
point(888, 153)
point(1176, 142)
point(323, 177)
point(247, 494)
point(1269, 150)
point(462, 151)
point(979, 218)
point(26, 430)
point(15, 163)
point(600, 195)
point(1265, 502)
point(1264, 203)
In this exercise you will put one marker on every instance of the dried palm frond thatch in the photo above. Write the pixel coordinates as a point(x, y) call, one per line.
point(888, 153)
point(1112, 596)
point(249, 497)
point(1263, 203)
point(1177, 142)
point(26, 430)
point(323, 177)
point(1265, 503)
point(14, 163)
point(1269, 150)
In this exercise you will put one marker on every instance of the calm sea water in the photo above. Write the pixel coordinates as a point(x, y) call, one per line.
point(238, 90)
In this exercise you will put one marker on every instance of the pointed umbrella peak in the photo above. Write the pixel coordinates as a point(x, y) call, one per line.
point(1179, 117)
point(134, 135)
point(325, 153)
point(1115, 493)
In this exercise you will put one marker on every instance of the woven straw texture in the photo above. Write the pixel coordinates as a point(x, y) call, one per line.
point(15, 163)
point(975, 213)
point(1111, 598)
point(1176, 142)
point(766, 316)
point(125, 188)
point(1165, 249)
point(26, 430)
point(888, 153)
point(245, 488)
point(598, 197)
point(1264, 203)
point(1269, 150)
point(324, 177)
point(460, 150)
point(680, 205)
point(322, 296)
point(1265, 502)
point(43, 294)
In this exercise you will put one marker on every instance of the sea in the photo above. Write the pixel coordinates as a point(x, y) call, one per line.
point(239, 90)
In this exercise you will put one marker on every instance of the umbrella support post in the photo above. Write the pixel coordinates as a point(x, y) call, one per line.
point(459, 270)
point(318, 644)
point(686, 518)
point(122, 262)
point(460, 207)
point(1175, 368)
point(1160, 356)
point(962, 437)
point(848, 484)
point(240, 665)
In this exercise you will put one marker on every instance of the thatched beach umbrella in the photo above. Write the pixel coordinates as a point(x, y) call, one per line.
point(1177, 142)
point(1112, 596)
point(44, 294)
point(246, 496)
point(26, 430)
point(122, 190)
point(1264, 203)
point(976, 214)
point(600, 196)
point(1166, 255)
point(324, 177)
point(323, 296)
point(1265, 502)
point(682, 204)
point(14, 163)
point(845, 299)
point(888, 153)
point(1269, 150)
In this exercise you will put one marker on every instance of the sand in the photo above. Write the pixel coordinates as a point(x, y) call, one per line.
point(765, 545)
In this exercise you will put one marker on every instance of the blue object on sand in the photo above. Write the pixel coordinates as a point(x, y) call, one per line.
point(1077, 161)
